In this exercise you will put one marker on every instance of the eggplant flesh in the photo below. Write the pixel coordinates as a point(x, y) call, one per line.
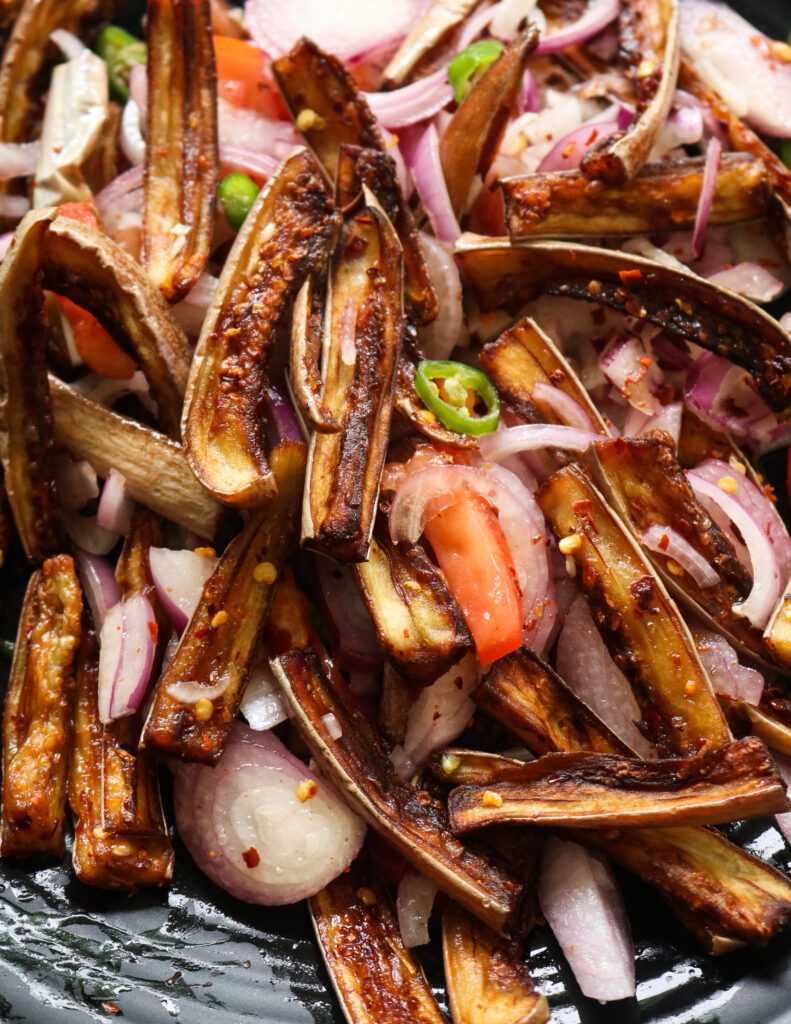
point(304, 380)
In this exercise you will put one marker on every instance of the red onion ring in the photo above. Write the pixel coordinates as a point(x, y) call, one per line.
point(567, 409)
point(355, 644)
point(415, 102)
point(567, 153)
point(438, 340)
point(531, 437)
point(597, 15)
point(179, 578)
point(726, 674)
point(126, 657)
point(115, 506)
point(98, 584)
point(667, 541)
point(706, 196)
point(750, 280)
point(426, 169)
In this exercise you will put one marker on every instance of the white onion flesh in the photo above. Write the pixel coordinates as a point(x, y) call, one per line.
point(126, 657)
point(263, 704)
point(414, 901)
point(667, 541)
point(722, 665)
point(179, 577)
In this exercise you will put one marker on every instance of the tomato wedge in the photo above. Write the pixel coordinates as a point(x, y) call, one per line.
point(471, 549)
point(244, 78)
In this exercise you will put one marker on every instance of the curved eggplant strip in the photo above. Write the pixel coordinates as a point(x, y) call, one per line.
point(181, 169)
point(439, 21)
point(408, 819)
point(154, 468)
point(220, 642)
point(487, 979)
point(306, 385)
point(376, 978)
point(37, 713)
point(771, 719)
point(618, 159)
point(92, 270)
point(682, 303)
point(100, 856)
point(363, 336)
point(286, 235)
point(664, 196)
point(28, 447)
point(470, 141)
point(455, 766)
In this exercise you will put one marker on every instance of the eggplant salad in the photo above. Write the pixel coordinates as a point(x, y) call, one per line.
point(384, 389)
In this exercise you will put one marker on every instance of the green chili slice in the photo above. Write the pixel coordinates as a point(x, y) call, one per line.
point(121, 51)
point(454, 392)
point(468, 66)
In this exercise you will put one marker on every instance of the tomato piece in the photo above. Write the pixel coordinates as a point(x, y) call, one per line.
point(472, 551)
point(79, 211)
point(244, 78)
point(96, 346)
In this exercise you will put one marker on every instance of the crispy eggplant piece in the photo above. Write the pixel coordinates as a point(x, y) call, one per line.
point(101, 167)
point(777, 635)
point(698, 441)
point(394, 704)
point(637, 618)
point(363, 336)
point(286, 235)
point(28, 446)
point(488, 981)
point(470, 141)
point(154, 467)
point(375, 977)
point(410, 820)
point(181, 168)
point(218, 646)
point(418, 622)
point(455, 766)
point(663, 197)
point(37, 713)
point(441, 18)
point(102, 857)
point(305, 383)
point(680, 302)
point(771, 719)
point(524, 356)
point(583, 790)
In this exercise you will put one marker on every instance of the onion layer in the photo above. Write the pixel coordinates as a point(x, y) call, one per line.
point(128, 645)
point(726, 674)
point(413, 905)
point(669, 542)
point(179, 577)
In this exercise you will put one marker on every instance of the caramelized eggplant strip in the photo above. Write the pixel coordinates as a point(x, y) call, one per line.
point(488, 981)
point(408, 819)
point(470, 141)
point(583, 790)
point(777, 635)
point(698, 441)
point(218, 646)
point(306, 385)
point(441, 18)
point(363, 336)
point(771, 719)
point(100, 856)
point(663, 197)
point(457, 767)
point(375, 977)
point(28, 447)
point(394, 704)
point(181, 169)
point(638, 620)
point(286, 235)
point(524, 356)
point(682, 303)
point(37, 713)
point(154, 468)
point(417, 620)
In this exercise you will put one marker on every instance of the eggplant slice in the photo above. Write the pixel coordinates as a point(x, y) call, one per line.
point(37, 713)
point(181, 169)
point(286, 235)
point(304, 380)
point(439, 21)
point(363, 337)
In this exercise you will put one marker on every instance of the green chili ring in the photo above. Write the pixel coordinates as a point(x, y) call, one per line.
point(459, 380)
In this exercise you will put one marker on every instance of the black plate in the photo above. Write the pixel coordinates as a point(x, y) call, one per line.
point(69, 955)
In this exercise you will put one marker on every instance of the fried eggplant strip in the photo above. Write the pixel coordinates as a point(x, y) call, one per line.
point(408, 819)
point(181, 169)
point(442, 17)
point(218, 646)
point(771, 719)
point(101, 857)
point(306, 385)
point(721, 893)
point(154, 468)
point(583, 790)
point(488, 981)
point(375, 977)
point(470, 141)
point(28, 448)
point(680, 302)
point(37, 713)
point(363, 336)
point(663, 197)
point(419, 624)
point(286, 235)
point(638, 620)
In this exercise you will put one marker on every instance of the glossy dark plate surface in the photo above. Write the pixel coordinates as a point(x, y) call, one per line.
point(70, 955)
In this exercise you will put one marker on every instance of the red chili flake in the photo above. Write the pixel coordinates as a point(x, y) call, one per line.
point(643, 592)
point(568, 150)
point(664, 541)
point(251, 857)
point(406, 634)
point(630, 276)
point(110, 1008)
point(592, 137)
point(557, 376)
point(582, 509)
point(153, 629)
point(206, 741)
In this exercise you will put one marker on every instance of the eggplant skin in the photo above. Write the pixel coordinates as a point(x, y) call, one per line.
point(376, 978)
point(37, 712)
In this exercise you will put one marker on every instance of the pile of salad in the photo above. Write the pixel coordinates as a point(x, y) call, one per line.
point(383, 390)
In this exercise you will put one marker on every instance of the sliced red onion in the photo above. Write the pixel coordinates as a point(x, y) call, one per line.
point(241, 126)
point(430, 182)
point(179, 578)
point(190, 691)
point(584, 663)
point(248, 161)
point(473, 26)
point(14, 207)
point(583, 907)
point(669, 420)
point(69, 45)
point(439, 339)
point(703, 213)
point(191, 311)
point(123, 194)
point(18, 160)
point(138, 85)
point(567, 153)
point(722, 665)
point(531, 437)
point(567, 409)
point(529, 97)
point(673, 352)
point(115, 506)
point(262, 701)
point(415, 102)
point(767, 581)
point(669, 542)
point(725, 397)
point(281, 416)
point(684, 127)
point(98, 583)
point(596, 16)
point(247, 829)
point(132, 142)
point(630, 364)
point(750, 280)
point(126, 656)
point(784, 767)
point(86, 533)
point(5, 242)
point(414, 901)
point(355, 644)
